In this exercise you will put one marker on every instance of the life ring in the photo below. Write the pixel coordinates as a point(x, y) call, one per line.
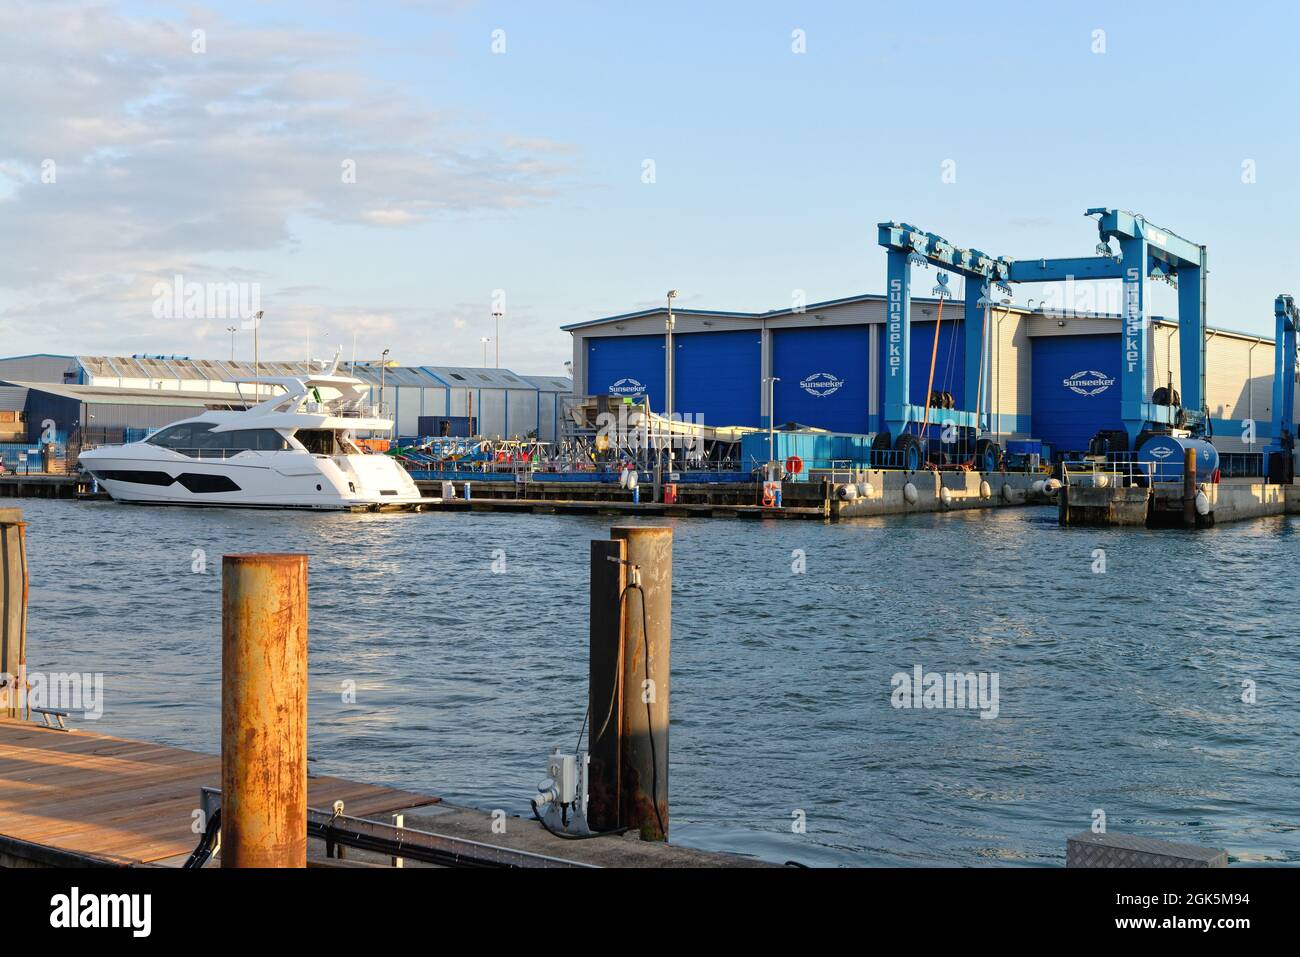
point(769, 498)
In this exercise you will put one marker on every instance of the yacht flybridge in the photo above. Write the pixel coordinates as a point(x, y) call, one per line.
point(296, 449)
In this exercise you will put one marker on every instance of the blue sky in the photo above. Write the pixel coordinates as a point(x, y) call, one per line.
point(522, 171)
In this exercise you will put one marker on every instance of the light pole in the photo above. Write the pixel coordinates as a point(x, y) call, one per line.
point(670, 374)
point(771, 417)
point(485, 340)
point(497, 316)
point(257, 364)
point(231, 330)
point(383, 369)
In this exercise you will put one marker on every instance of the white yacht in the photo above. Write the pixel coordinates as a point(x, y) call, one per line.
point(297, 449)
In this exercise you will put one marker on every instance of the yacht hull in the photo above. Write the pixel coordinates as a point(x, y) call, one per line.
point(145, 475)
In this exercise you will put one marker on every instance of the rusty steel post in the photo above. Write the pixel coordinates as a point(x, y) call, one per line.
point(13, 612)
point(1189, 488)
point(264, 710)
point(647, 637)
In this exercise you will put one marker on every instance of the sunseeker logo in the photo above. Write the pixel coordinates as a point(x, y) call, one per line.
point(1163, 452)
point(625, 386)
point(1088, 382)
point(822, 384)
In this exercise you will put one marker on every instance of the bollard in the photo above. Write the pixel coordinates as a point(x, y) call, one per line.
point(1189, 488)
point(13, 612)
point(647, 625)
point(264, 710)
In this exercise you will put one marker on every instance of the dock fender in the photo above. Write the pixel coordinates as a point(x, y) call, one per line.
point(945, 496)
point(910, 494)
point(986, 490)
point(1006, 492)
point(866, 490)
point(1202, 502)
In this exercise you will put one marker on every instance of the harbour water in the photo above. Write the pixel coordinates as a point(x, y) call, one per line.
point(449, 655)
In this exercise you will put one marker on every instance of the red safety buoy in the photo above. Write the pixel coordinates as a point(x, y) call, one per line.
point(794, 465)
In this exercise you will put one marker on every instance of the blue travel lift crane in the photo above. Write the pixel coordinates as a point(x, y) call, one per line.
point(1280, 452)
point(1145, 250)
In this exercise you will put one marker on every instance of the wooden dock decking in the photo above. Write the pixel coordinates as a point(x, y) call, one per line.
point(69, 797)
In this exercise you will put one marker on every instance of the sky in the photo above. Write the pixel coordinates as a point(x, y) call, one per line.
point(390, 173)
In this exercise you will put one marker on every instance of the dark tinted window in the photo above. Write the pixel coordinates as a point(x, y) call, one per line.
point(198, 440)
point(181, 437)
point(258, 440)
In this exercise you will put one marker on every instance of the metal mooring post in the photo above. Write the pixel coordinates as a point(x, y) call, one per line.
point(608, 578)
point(647, 627)
point(264, 710)
point(1189, 488)
point(13, 612)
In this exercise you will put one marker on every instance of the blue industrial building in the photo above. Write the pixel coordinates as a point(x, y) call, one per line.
point(1048, 375)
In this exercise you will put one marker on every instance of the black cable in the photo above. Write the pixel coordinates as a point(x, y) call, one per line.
point(650, 731)
point(583, 730)
point(572, 837)
point(204, 849)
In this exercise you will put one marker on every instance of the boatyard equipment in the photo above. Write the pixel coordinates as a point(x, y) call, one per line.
point(1144, 251)
point(264, 710)
point(1163, 457)
point(1280, 453)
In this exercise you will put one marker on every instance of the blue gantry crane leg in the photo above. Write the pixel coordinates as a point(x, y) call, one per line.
point(1145, 251)
point(906, 246)
point(1280, 453)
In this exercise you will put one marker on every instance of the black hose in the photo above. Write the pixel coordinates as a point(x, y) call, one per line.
point(572, 837)
point(649, 725)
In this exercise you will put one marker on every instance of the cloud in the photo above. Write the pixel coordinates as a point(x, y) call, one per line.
point(162, 160)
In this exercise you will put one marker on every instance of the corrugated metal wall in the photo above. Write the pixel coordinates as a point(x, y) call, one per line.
point(719, 376)
point(522, 409)
point(823, 372)
point(36, 368)
point(1076, 389)
point(491, 412)
point(629, 366)
point(547, 408)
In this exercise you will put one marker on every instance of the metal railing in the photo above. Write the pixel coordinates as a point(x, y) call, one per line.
point(1120, 469)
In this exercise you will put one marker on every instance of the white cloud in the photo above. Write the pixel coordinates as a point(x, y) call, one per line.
point(169, 161)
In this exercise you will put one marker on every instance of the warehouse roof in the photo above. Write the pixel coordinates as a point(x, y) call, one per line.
point(111, 396)
point(812, 307)
point(183, 369)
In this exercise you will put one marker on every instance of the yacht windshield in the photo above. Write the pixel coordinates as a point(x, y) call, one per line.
point(197, 440)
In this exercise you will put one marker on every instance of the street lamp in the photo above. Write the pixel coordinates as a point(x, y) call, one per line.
point(383, 369)
point(670, 372)
point(485, 340)
point(496, 314)
point(231, 330)
point(771, 416)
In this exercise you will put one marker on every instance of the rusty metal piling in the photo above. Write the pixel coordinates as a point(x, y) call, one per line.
point(264, 710)
point(1189, 488)
point(631, 635)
